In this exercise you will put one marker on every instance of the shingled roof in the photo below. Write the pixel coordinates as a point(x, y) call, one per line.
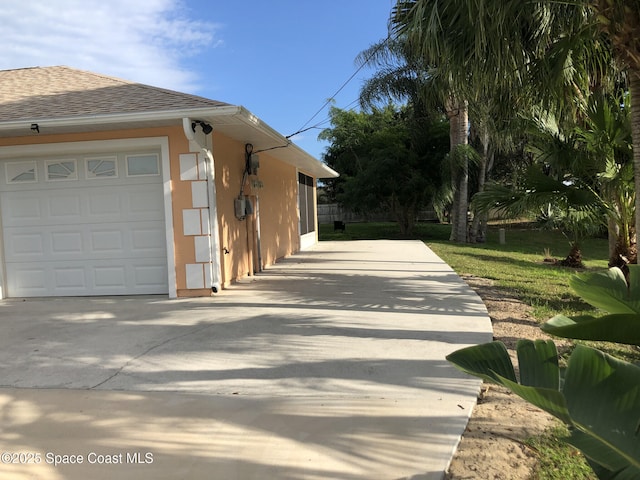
point(60, 92)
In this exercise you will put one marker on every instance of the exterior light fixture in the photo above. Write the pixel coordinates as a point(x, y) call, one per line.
point(206, 128)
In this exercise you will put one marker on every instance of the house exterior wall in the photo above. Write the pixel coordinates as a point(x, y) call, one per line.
point(278, 199)
point(229, 166)
point(276, 193)
point(273, 191)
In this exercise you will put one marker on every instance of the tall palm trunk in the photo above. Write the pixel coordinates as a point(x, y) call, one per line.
point(458, 135)
point(634, 87)
point(479, 224)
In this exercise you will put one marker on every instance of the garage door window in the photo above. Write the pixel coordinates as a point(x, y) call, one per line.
point(21, 172)
point(61, 170)
point(143, 165)
point(102, 167)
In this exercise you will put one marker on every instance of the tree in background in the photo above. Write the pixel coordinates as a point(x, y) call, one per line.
point(581, 178)
point(554, 52)
point(403, 74)
point(388, 158)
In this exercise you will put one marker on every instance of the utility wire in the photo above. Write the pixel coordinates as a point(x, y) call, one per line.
point(362, 65)
point(348, 107)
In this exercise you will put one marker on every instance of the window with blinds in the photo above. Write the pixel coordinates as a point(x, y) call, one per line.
point(305, 202)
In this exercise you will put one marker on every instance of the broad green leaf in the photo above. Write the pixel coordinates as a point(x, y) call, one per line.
point(547, 399)
point(491, 362)
point(634, 281)
point(538, 362)
point(620, 328)
point(487, 361)
point(607, 291)
point(601, 472)
point(603, 398)
point(605, 461)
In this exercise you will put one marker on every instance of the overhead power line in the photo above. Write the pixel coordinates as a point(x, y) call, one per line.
point(324, 105)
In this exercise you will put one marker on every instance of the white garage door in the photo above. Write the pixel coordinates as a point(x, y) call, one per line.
point(84, 225)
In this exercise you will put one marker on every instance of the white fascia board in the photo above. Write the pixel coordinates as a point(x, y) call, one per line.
point(307, 162)
point(141, 117)
point(238, 113)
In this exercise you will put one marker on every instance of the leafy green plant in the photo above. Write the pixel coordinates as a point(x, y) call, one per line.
point(597, 396)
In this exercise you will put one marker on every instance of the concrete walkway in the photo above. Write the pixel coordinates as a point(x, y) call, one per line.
point(329, 365)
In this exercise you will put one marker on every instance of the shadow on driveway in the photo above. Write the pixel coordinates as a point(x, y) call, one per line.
point(330, 364)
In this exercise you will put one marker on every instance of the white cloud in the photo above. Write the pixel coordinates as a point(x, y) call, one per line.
point(139, 40)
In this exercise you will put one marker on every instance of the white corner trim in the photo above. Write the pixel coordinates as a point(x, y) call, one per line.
point(168, 216)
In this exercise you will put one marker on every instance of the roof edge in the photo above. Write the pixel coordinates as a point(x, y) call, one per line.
point(321, 170)
point(238, 112)
point(122, 117)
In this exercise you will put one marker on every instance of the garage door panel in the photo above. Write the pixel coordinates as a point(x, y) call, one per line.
point(73, 278)
point(100, 277)
point(109, 276)
point(102, 205)
point(141, 276)
point(53, 207)
point(29, 280)
point(24, 245)
point(67, 243)
point(24, 208)
point(67, 206)
point(148, 240)
point(151, 276)
point(107, 242)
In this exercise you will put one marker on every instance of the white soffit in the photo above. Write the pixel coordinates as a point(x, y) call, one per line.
point(233, 121)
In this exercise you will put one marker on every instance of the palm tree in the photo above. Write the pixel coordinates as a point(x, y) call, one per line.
point(619, 21)
point(402, 74)
point(582, 178)
point(606, 136)
point(548, 48)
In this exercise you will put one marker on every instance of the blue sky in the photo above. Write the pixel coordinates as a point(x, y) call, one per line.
point(281, 59)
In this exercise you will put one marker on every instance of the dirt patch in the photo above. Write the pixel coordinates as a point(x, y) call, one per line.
point(492, 446)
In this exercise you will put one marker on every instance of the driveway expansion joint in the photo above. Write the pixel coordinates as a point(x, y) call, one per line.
point(146, 352)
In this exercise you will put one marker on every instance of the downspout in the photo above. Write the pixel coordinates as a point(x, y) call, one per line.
point(205, 144)
point(214, 230)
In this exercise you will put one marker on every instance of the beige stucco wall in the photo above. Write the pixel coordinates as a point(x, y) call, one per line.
point(278, 209)
point(229, 163)
point(275, 188)
point(277, 199)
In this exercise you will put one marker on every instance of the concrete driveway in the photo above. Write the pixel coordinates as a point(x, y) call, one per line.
point(329, 365)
